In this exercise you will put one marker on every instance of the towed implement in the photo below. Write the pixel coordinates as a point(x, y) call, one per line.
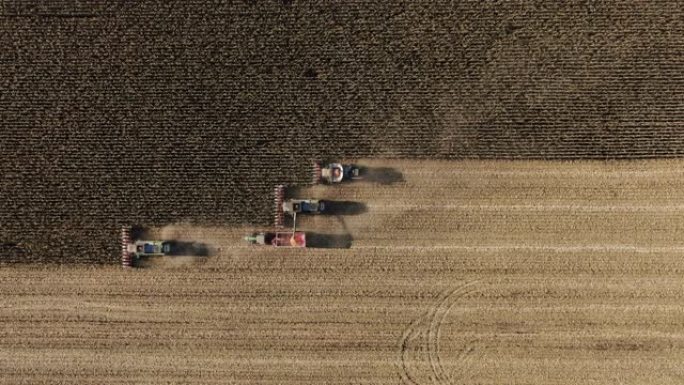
point(278, 239)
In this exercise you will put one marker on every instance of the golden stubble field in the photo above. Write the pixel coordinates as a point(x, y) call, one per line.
point(472, 272)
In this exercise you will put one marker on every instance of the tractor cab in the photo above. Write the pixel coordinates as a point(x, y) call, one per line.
point(149, 248)
point(307, 206)
point(335, 173)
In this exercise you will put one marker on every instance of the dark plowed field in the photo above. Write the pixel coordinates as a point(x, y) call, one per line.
point(161, 111)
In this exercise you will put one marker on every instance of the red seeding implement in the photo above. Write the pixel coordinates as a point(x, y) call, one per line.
point(278, 239)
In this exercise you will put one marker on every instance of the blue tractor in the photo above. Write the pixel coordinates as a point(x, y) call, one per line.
point(133, 250)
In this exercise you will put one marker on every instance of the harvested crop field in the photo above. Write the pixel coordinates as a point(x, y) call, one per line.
point(456, 272)
point(520, 222)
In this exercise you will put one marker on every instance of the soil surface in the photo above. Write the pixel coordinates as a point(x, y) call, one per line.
point(455, 272)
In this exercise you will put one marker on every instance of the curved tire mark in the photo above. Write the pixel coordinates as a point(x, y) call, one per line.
point(436, 325)
point(408, 335)
point(429, 326)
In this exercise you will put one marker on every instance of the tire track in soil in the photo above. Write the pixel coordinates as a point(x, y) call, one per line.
point(559, 249)
point(538, 207)
point(465, 354)
point(547, 172)
point(429, 327)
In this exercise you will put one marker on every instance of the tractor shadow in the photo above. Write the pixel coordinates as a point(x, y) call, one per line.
point(183, 255)
point(189, 249)
point(328, 241)
point(381, 175)
point(345, 208)
point(13, 252)
point(178, 248)
point(341, 240)
point(139, 232)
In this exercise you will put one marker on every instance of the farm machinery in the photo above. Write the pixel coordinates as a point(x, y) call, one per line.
point(132, 250)
point(278, 239)
point(330, 173)
point(335, 172)
point(294, 206)
point(310, 206)
point(292, 238)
